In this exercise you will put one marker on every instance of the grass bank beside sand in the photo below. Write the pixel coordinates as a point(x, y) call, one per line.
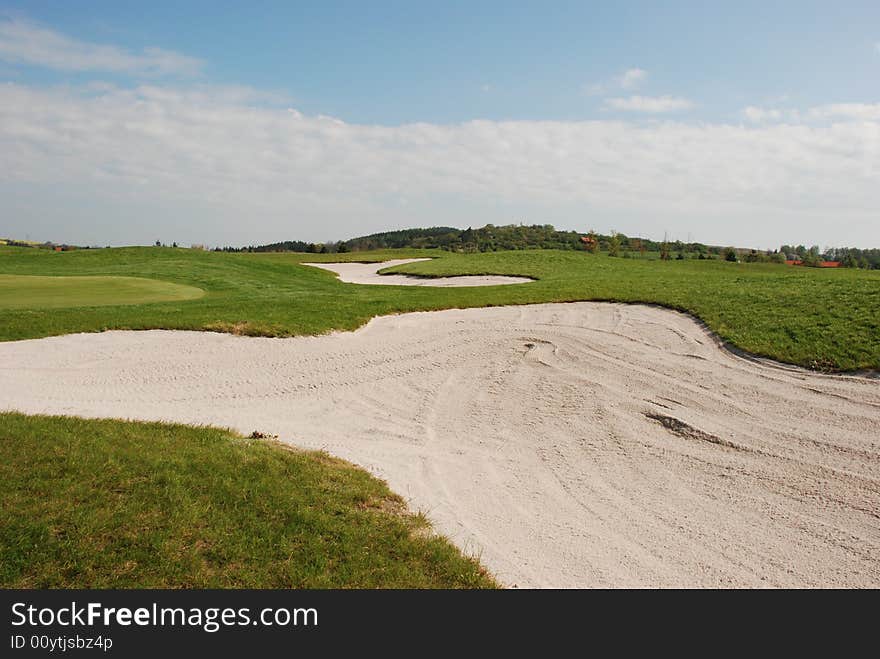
point(113, 504)
point(823, 319)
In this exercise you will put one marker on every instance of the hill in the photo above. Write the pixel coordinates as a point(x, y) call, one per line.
point(490, 238)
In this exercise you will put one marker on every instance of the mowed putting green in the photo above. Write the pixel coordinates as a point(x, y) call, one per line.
point(33, 291)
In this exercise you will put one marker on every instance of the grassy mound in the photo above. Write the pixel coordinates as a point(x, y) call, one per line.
point(113, 504)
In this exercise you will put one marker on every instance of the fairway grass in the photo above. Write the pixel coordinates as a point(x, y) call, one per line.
point(112, 504)
point(826, 319)
point(34, 291)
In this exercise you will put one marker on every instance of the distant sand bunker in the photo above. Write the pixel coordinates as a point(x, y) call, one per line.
point(368, 273)
point(582, 444)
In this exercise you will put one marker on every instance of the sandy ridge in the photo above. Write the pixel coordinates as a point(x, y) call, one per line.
point(581, 444)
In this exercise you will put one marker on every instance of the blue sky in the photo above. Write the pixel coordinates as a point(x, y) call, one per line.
point(175, 118)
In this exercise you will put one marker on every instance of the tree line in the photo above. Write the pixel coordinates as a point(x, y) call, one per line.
point(849, 257)
point(491, 238)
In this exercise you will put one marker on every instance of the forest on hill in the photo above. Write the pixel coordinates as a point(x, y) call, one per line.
point(492, 238)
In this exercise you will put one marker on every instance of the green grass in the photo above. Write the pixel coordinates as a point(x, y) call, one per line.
point(28, 291)
point(827, 319)
point(112, 504)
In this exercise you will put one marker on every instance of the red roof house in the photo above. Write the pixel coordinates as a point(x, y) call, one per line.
point(588, 241)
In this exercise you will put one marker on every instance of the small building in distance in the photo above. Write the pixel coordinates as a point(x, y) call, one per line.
point(589, 242)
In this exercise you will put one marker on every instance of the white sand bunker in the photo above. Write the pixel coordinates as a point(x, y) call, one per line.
point(368, 273)
point(577, 444)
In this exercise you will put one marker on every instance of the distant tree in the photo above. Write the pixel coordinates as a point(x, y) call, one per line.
point(158, 243)
point(730, 255)
point(614, 244)
point(664, 249)
point(850, 261)
point(812, 258)
point(174, 244)
point(341, 247)
point(467, 239)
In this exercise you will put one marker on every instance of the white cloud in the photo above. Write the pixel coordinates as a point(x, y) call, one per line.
point(856, 111)
point(832, 111)
point(759, 115)
point(133, 165)
point(651, 104)
point(632, 78)
point(27, 43)
point(629, 79)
